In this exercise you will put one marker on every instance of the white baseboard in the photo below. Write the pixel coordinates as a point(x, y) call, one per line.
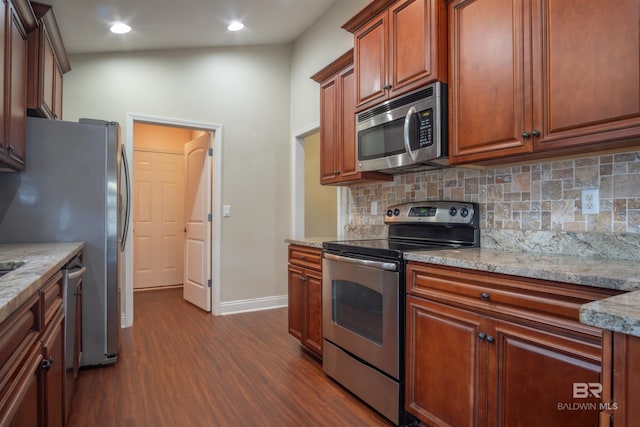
point(256, 304)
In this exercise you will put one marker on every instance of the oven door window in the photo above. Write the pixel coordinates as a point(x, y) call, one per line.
point(358, 309)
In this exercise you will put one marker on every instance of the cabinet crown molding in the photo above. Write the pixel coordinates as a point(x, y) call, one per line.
point(26, 13)
point(46, 14)
point(368, 12)
point(343, 61)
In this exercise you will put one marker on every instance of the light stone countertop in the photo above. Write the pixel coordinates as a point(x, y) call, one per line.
point(601, 273)
point(41, 261)
point(619, 313)
point(310, 242)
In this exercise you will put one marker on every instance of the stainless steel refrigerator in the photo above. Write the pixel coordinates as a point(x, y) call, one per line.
point(75, 188)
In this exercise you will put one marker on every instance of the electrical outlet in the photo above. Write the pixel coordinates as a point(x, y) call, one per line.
point(591, 201)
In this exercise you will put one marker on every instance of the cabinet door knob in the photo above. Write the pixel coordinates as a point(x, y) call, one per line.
point(525, 135)
point(485, 296)
point(387, 87)
point(10, 148)
point(46, 363)
point(490, 339)
point(482, 336)
point(535, 133)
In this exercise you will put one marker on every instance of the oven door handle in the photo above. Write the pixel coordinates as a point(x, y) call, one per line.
point(380, 265)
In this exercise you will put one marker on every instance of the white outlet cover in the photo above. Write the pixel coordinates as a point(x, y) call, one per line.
point(591, 201)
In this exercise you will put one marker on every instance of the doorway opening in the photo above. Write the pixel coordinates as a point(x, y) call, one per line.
point(303, 140)
point(320, 201)
point(176, 194)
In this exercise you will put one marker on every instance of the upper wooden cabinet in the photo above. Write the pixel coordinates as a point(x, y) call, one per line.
point(535, 78)
point(48, 62)
point(337, 125)
point(399, 46)
point(17, 20)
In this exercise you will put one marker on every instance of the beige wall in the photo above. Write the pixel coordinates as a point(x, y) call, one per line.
point(320, 201)
point(258, 94)
point(317, 47)
point(244, 89)
point(163, 138)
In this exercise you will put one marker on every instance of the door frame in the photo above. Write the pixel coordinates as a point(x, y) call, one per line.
point(216, 188)
point(297, 186)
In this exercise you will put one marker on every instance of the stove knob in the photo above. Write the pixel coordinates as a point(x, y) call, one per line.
point(389, 212)
point(453, 211)
point(396, 212)
point(464, 212)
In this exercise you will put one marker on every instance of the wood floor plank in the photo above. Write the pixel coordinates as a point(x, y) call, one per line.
point(179, 366)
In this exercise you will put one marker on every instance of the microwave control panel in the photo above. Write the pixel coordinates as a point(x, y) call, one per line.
point(425, 128)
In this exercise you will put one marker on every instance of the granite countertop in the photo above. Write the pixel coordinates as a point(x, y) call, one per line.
point(601, 273)
point(310, 242)
point(620, 313)
point(41, 261)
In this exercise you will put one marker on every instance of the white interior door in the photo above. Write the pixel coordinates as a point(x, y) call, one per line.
point(197, 264)
point(158, 222)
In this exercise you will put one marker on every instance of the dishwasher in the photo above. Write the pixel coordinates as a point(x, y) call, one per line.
point(72, 297)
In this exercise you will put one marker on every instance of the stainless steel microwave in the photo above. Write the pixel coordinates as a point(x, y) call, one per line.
point(404, 134)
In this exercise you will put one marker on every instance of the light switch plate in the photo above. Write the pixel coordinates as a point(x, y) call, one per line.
point(226, 210)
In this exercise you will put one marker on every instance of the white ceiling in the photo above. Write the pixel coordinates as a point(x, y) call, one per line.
point(162, 24)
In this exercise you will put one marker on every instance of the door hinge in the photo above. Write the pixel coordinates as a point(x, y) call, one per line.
point(210, 217)
point(209, 283)
point(210, 152)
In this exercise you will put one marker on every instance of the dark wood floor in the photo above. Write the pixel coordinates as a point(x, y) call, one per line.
point(179, 366)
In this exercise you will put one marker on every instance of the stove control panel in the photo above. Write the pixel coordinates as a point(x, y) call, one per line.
point(445, 212)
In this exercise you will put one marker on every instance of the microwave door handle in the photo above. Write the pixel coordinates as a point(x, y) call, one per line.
point(407, 126)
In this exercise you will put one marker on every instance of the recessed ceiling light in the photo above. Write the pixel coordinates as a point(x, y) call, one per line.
point(120, 28)
point(235, 26)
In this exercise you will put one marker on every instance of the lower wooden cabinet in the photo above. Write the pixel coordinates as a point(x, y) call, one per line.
point(489, 349)
point(305, 296)
point(621, 384)
point(54, 371)
point(20, 371)
point(32, 358)
point(27, 395)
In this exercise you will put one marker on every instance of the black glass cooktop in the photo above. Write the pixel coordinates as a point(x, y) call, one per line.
point(387, 248)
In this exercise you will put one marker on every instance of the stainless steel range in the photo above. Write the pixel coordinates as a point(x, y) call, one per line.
point(364, 298)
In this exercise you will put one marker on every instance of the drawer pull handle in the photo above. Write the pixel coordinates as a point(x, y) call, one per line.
point(301, 257)
point(485, 296)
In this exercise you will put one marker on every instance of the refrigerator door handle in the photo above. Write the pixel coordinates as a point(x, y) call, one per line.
point(125, 229)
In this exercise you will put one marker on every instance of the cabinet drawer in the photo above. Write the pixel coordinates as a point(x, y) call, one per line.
point(17, 335)
point(305, 257)
point(52, 297)
point(500, 293)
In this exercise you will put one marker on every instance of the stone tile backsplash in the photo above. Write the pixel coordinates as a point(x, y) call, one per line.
point(534, 197)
